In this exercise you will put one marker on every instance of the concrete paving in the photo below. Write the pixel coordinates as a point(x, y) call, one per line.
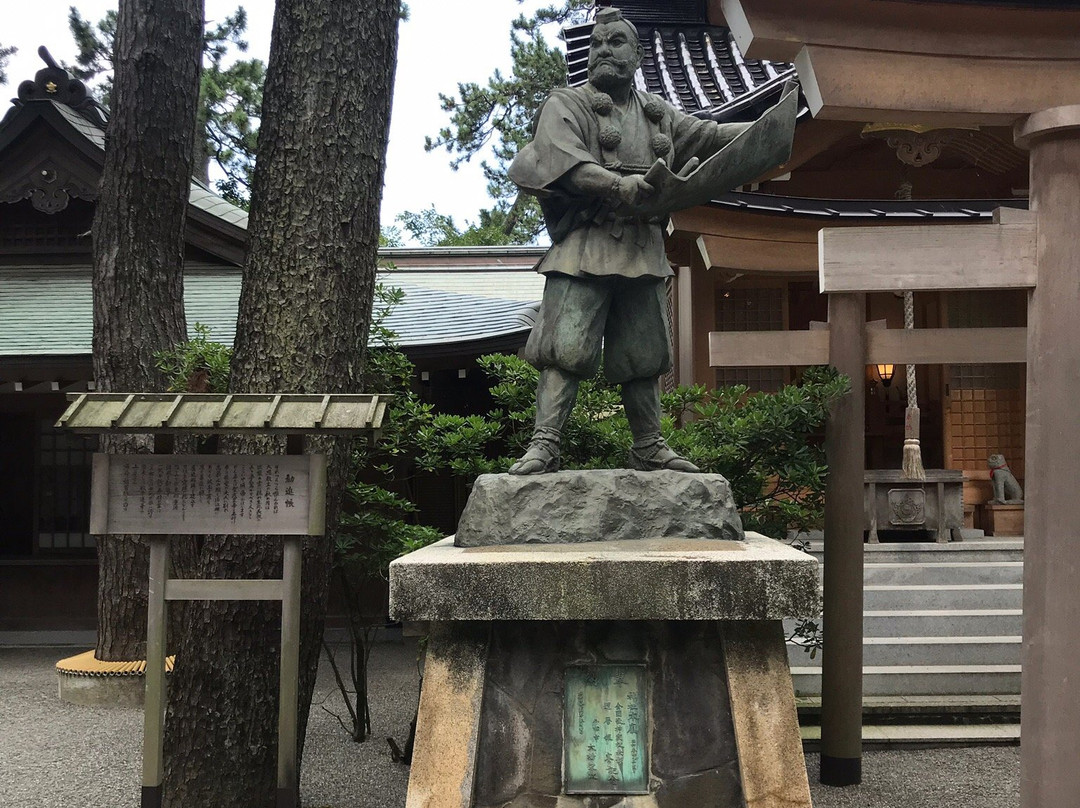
point(56, 755)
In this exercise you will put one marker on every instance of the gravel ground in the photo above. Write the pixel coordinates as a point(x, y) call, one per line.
point(56, 755)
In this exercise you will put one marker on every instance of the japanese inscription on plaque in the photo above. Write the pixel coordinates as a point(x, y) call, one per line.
point(213, 494)
point(605, 733)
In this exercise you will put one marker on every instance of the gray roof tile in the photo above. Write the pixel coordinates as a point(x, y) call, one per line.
point(49, 311)
point(696, 67)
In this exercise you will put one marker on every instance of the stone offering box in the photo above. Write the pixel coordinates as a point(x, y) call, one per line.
point(647, 673)
point(935, 504)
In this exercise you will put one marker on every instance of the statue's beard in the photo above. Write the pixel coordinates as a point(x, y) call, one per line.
point(620, 76)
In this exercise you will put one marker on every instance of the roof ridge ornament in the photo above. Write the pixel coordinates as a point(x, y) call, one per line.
point(55, 83)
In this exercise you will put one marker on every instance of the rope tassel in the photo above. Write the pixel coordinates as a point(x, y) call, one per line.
point(913, 465)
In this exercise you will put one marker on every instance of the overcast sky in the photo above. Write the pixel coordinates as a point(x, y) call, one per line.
point(443, 43)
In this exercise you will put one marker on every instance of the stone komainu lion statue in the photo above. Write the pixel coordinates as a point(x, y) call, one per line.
point(1006, 489)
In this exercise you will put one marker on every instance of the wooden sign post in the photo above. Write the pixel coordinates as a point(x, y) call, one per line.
point(163, 495)
point(853, 262)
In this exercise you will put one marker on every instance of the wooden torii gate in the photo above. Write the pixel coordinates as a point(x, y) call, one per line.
point(852, 263)
point(977, 63)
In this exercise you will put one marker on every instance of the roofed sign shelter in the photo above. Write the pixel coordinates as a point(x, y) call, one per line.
point(973, 62)
point(164, 494)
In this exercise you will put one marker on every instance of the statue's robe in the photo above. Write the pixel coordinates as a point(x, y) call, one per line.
point(587, 237)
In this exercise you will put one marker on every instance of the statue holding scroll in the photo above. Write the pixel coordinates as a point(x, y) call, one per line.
point(608, 164)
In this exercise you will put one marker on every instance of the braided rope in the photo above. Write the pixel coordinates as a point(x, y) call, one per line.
point(909, 325)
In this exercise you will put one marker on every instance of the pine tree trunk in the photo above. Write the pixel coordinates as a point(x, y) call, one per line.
point(302, 327)
point(138, 235)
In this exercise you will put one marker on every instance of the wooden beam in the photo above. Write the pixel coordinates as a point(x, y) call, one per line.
point(966, 90)
point(768, 348)
point(42, 387)
point(220, 589)
point(977, 256)
point(946, 346)
point(777, 29)
point(753, 255)
point(922, 346)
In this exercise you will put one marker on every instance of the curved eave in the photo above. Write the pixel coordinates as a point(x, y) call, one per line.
point(445, 353)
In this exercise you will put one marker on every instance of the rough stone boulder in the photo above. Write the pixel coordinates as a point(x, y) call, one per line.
point(605, 505)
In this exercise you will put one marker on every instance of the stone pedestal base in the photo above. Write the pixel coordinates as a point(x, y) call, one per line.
point(701, 618)
point(1003, 520)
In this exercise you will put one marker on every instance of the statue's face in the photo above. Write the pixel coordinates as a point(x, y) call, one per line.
point(614, 55)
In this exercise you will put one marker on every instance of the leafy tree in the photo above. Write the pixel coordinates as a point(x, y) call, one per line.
point(230, 98)
point(94, 59)
point(197, 365)
point(5, 54)
point(390, 237)
point(499, 115)
point(434, 229)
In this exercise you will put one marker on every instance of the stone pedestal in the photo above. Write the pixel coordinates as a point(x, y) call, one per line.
point(699, 619)
point(1003, 519)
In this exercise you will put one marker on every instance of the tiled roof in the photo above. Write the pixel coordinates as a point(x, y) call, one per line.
point(697, 67)
point(205, 199)
point(91, 132)
point(48, 310)
point(504, 273)
point(429, 316)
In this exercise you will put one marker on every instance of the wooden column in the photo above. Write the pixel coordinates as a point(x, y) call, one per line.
point(703, 294)
point(1050, 716)
point(841, 664)
point(685, 325)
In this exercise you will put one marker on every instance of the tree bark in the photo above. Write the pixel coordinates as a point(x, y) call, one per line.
point(304, 313)
point(138, 236)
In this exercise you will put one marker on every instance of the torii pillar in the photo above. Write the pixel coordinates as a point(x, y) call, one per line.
point(968, 63)
point(1050, 682)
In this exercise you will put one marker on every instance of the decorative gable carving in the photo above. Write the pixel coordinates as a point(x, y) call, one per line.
point(48, 184)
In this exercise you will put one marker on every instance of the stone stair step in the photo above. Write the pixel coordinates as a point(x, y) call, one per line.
point(884, 735)
point(879, 651)
point(930, 680)
point(944, 572)
point(937, 622)
point(878, 597)
point(875, 707)
point(942, 622)
point(923, 552)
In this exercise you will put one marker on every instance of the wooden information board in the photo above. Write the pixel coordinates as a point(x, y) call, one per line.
point(281, 495)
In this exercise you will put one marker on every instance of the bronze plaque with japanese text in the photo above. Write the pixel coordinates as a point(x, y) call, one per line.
point(605, 732)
